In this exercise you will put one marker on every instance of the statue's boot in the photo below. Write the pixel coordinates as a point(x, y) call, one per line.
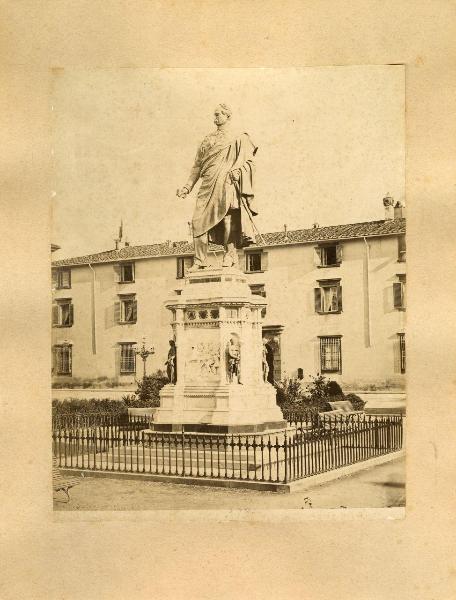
point(194, 268)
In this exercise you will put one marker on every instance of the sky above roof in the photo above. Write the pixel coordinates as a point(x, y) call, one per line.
point(331, 145)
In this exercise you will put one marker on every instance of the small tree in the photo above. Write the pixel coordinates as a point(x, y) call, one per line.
point(147, 394)
point(289, 393)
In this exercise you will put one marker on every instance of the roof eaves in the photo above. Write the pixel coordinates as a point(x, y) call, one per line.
point(182, 248)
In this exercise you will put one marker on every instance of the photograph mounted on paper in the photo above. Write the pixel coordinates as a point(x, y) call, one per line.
point(228, 288)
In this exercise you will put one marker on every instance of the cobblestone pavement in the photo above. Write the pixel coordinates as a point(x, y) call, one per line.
point(378, 487)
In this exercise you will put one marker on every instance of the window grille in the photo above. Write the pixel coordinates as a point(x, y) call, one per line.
point(127, 358)
point(330, 354)
point(63, 359)
point(402, 350)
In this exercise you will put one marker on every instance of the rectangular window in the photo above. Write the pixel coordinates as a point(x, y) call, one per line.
point(328, 255)
point(330, 354)
point(127, 273)
point(63, 313)
point(402, 350)
point(328, 297)
point(63, 359)
point(399, 297)
point(127, 309)
point(256, 261)
point(401, 249)
point(127, 357)
point(183, 263)
point(258, 290)
point(61, 279)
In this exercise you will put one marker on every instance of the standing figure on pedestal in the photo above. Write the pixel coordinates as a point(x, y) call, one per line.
point(234, 359)
point(225, 202)
point(265, 361)
point(171, 362)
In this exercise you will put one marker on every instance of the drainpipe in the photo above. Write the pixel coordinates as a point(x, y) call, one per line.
point(94, 332)
point(367, 336)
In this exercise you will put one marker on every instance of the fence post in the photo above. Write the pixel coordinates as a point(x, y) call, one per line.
point(285, 448)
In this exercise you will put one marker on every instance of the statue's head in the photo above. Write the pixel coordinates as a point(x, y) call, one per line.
point(222, 114)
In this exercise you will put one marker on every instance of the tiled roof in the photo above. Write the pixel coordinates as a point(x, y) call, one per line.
point(279, 238)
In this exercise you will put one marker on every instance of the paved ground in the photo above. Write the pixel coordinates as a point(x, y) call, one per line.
point(379, 487)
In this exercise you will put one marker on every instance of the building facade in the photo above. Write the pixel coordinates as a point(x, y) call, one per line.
point(336, 304)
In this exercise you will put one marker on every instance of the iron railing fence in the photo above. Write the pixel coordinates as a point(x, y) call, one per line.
point(279, 457)
point(99, 419)
point(301, 418)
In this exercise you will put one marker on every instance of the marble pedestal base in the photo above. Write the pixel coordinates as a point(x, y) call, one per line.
point(216, 311)
point(229, 408)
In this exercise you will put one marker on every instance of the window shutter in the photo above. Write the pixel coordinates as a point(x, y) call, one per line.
point(264, 261)
point(117, 273)
point(55, 314)
point(334, 299)
point(54, 360)
point(401, 248)
point(55, 278)
point(134, 310)
point(317, 256)
point(339, 297)
point(117, 312)
point(339, 253)
point(71, 315)
point(317, 299)
point(397, 294)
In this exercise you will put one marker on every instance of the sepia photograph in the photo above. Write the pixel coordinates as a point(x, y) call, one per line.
point(229, 288)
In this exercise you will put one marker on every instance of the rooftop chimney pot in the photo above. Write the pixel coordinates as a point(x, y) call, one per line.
point(388, 203)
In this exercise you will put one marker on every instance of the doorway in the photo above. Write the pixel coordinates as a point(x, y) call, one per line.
point(272, 333)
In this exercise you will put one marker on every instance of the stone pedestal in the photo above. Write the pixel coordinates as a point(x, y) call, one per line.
point(215, 310)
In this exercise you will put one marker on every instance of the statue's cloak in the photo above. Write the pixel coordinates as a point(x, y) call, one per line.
point(216, 158)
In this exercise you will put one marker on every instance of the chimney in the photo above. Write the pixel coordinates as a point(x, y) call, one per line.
point(399, 210)
point(388, 203)
point(286, 233)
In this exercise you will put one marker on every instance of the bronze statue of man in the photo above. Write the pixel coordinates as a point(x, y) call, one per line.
point(225, 203)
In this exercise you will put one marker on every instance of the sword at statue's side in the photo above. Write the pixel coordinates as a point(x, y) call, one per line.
point(247, 210)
